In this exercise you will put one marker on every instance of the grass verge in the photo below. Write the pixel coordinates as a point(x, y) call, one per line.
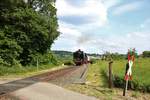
point(97, 83)
point(15, 72)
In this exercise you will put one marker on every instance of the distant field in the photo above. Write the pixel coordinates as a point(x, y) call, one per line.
point(140, 71)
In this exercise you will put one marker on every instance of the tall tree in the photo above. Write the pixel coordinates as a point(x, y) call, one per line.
point(26, 29)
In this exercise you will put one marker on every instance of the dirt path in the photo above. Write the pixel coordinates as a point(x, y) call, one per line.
point(14, 85)
point(59, 77)
point(76, 76)
point(48, 91)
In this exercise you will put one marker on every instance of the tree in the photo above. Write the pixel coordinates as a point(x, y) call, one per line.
point(26, 29)
point(146, 54)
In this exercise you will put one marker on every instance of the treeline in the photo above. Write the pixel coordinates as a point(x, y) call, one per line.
point(146, 54)
point(117, 56)
point(27, 31)
point(105, 56)
point(113, 56)
point(62, 53)
point(63, 56)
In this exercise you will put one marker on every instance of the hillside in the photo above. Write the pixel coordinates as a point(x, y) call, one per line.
point(65, 54)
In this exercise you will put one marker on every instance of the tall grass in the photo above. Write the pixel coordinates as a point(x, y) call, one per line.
point(16, 70)
point(140, 73)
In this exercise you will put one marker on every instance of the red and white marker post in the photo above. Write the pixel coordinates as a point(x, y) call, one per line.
point(128, 74)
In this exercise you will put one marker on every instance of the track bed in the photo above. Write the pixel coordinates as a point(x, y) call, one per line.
point(59, 77)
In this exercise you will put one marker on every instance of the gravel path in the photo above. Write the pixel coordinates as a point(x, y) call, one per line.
point(76, 76)
point(73, 74)
point(48, 91)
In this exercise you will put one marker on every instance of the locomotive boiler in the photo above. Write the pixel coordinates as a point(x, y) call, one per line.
point(79, 58)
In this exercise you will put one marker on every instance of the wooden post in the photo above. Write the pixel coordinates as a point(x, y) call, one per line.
point(37, 64)
point(110, 75)
point(125, 88)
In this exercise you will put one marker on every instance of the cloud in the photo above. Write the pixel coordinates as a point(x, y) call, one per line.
point(127, 8)
point(76, 20)
point(77, 23)
point(145, 24)
point(92, 11)
point(68, 30)
point(138, 40)
point(88, 7)
point(116, 43)
point(85, 15)
point(110, 3)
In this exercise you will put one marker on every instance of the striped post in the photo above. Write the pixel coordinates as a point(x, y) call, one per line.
point(128, 74)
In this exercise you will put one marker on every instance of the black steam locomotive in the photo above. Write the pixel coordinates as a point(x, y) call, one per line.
point(79, 57)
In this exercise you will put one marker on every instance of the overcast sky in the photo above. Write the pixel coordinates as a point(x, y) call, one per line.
point(96, 26)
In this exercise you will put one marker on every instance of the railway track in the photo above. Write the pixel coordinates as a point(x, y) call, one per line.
point(60, 77)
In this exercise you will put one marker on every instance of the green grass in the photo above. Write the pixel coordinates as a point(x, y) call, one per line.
point(17, 71)
point(97, 83)
point(140, 71)
point(94, 84)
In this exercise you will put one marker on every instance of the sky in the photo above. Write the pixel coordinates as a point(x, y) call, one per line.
point(97, 26)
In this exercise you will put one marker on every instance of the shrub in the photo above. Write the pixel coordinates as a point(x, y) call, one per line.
point(134, 84)
point(68, 63)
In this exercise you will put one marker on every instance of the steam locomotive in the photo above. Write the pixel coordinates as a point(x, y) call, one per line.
point(79, 58)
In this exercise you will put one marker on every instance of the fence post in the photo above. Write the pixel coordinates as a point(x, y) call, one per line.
point(37, 64)
point(110, 75)
point(125, 87)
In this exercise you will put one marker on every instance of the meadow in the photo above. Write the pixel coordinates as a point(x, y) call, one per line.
point(97, 80)
point(140, 73)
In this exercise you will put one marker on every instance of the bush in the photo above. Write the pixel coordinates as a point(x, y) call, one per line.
point(93, 61)
point(118, 82)
point(148, 88)
point(134, 84)
point(68, 63)
point(47, 58)
point(146, 54)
